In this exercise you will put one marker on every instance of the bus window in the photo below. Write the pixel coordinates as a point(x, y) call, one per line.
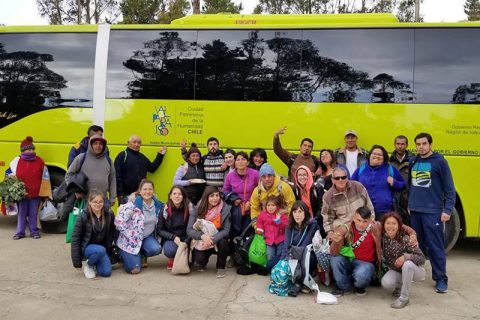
point(447, 68)
point(248, 65)
point(151, 64)
point(358, 65)
point(40, 71)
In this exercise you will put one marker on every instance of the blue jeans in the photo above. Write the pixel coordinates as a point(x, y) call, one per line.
point(345, 272)
point(169, 249)
point(150, 247)
point(274, 253)
point(97, 256)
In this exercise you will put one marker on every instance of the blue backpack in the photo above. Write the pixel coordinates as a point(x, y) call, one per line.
point(280, 279)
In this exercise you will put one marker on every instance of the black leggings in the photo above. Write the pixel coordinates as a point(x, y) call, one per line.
point(201, 256)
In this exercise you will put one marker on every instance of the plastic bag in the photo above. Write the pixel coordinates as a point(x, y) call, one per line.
point(257, 253)
point(324, 297)
point(48, 212)
point(12, 209)
point(72, 218)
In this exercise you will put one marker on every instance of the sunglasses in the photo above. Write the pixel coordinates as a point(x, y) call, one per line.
point(340, 178)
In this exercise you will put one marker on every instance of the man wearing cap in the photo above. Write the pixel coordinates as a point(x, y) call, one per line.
point(97, 167)
point(269, 184)
point(131, 166)
point(352, 156)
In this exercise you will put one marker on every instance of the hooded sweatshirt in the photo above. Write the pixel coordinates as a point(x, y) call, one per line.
point(431, 185)
point(97, 168)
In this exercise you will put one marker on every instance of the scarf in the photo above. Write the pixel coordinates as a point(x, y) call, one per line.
point(215, 215)
point(28, 156)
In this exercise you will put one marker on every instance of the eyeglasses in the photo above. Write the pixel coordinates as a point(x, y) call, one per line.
point(340, 178)
point(97, 202)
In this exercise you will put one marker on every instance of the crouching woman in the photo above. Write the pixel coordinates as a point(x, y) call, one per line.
point(136, 222)
point(92, 238)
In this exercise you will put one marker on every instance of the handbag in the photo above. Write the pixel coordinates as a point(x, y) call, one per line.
point(72, 218)
point(180, 262)
point(48, 212)
point(243, 203)
point(257, 253)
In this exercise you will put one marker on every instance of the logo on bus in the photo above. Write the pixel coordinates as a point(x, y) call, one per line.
point(161, 120)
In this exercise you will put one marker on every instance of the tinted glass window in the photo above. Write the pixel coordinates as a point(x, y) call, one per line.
point(358, 65)
point(151, 64)
point(45, 70)
point(248, 65)
point(447, 67)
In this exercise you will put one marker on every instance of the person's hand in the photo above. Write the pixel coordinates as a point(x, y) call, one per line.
point(258, 231)
point(78, 195)
point(329, 235)
point(413, 240)
point(390, 180)
point(399, 262)
point(183, 144)
point(163, 150)
point(207, 241)
point(237, 202)
point(177, 241)
point(445, 217)
point(336, 237)
point(280, 131)
point(224, 166)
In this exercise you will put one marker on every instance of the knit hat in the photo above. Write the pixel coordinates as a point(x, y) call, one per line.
point(266, 169)
point(193, 149)
point(27, 144)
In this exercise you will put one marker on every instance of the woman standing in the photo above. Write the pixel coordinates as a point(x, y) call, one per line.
point(380, 179)
point(31, 170)
point(214, 210)
point(404, 261)
point(229, 157)
point(172, 224)
point(191, 175)
point(92, 238)
point(258, 157)
point(136, 221)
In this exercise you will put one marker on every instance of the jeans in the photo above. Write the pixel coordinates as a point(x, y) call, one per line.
point(97, 256)
point(410, 272)
point(169, 249)
point(28, 209)
point(201, 257)
point(150, 247)
point(274, 253)
point(357, 271)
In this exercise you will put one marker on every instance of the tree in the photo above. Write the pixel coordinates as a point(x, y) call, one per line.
point(472, 9)
point(196, 6)
point(173, 9)
point(273, 6)
point(79, 11)
point(218, 6)
point(140, 11)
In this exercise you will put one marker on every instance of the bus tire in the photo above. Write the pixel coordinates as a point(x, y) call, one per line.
point(57, 226)
point(452, 230)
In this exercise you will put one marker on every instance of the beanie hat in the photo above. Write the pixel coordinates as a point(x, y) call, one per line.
point(27, 144)
point(266, 169)
point(193, 149)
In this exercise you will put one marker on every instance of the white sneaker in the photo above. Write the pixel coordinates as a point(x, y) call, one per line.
point(89, 271)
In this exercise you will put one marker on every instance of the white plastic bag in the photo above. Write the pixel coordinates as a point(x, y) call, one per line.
point(324, 297)
point(12, 210)
point(48, 212)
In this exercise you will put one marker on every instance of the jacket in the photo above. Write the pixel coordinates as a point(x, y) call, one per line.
point(243, 186)
point(340, 155)
point(293, 161)
point(130, 222)
point(402, 166)
point(186, 172)
point(294, 235)
point(339, 207)
point(272, 232)
point(31, 173)
point(82, 234)
point(223, 232)
point(374, 179)
point(260, 195)
point(315, 192)
point(131, 167)
point(173, 223)
point(393, 249)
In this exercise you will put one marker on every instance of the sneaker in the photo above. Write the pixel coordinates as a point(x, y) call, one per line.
point(221, 273)
point(360, 292)
point(396, 292)
point(170, 264)
point(18, 237)
point(89, 271)
point(399, 303)
point(202, 268)
point(441, 286)
point(35, 236)
point(339, 292)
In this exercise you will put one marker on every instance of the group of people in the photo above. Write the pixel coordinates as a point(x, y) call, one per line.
point(349, 195)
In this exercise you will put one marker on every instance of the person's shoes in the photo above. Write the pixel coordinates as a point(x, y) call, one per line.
point(339, 292)
point(221, 273)
point(324, 278)
point(360, 292)
point(18, 237)
point(230, 263)
point(89, 271)
point(135, 271)
point(202, 268)
point(36, 236)
point(399, 303)
point(144, 262)
point(170, 264)
point(396, 292)
point(441, 286)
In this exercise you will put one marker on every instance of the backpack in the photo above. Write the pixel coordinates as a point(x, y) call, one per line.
point(241, 244)
point(301, 268)
point(280, 279)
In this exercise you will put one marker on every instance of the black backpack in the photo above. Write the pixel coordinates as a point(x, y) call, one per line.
point(241, 245)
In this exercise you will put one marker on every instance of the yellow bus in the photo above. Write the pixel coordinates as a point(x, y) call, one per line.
point(241, 77)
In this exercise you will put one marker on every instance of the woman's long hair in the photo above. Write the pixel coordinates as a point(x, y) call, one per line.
point(299, 204)
point(203, 203)
point(333, 163)
point(92, 195)
point(396, 216)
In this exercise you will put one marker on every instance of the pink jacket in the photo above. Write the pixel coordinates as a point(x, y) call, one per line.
point(272, 232)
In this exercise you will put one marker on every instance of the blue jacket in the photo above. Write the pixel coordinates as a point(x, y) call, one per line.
point(294, 235)
point(431, 185)
point(374, 179)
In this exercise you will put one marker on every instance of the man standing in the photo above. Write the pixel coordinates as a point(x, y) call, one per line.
point(400, 159)
point(342, 200)
point(352, 156)
point(82, 146)
point(293, 161)
point(131, 166)
point(431, 202)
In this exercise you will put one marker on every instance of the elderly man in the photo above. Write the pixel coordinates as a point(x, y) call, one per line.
point(342, 200)
point(351, 155)
point(131, 166)
point(269, 184)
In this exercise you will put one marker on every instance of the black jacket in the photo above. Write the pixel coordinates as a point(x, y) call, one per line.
point(173, 223)
point(131, 167)
point(82, 234)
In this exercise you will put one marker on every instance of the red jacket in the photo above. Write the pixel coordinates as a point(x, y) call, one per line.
point(31, 172)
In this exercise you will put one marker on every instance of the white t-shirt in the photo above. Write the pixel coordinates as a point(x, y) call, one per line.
point(352, 161)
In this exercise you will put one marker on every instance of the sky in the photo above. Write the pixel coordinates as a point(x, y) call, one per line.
point(24, 12)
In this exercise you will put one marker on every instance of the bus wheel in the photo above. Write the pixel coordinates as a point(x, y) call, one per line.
point(57, 226)
point(452, 230)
